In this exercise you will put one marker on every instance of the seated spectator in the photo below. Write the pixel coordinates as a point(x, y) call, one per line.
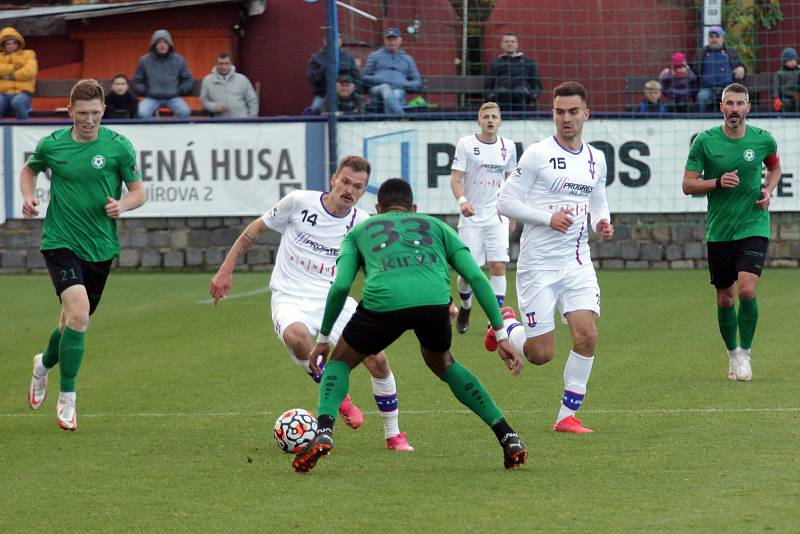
point(652, 99)
point(716, 66)
point(348, 100)
point(677, 84)
point(121, 103)
point(390, 72)
point(18, 69)
point(318, 72)
point(512, 80)
point(162, 76)
point(227, 93)
point(786, 83)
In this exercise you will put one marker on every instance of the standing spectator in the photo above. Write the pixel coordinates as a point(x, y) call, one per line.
point(18, 69)
point(121, 103)
point(162, 76)
point(318, 69)
point(390, 72)
point(786, 83)
point(512, 81)
point(652, 103)
point(227, 93)
point(717, 66)
point(677, 83)
point(348, 100)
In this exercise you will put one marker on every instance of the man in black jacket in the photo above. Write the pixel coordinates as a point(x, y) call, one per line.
point(513, 80)
point(317, 70)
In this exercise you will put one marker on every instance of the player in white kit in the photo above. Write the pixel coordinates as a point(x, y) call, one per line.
point(558, 191)
point(480, 166)
point(313, 225)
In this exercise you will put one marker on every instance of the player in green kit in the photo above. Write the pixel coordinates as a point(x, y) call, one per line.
point(88, 165)
point(725, 163)
point(406, 258)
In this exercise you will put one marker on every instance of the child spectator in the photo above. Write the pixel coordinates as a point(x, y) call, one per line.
point(677, 83)
point(652, 99)
point(786, 83)
point(120, 101)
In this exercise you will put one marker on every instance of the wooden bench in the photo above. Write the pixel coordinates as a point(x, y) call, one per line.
point(51, 97)
point(467, 90)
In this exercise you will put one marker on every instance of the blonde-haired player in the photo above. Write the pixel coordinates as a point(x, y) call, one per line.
point(480, 166)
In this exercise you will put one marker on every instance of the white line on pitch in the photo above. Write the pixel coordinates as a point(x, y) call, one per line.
point(258, 291)
point(662, 411)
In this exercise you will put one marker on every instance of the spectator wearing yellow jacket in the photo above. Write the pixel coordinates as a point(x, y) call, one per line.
point(18, 69)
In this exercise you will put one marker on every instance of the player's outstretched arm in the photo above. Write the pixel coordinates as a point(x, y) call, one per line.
point(223, 281)
point(346, 269)
point(27, 186)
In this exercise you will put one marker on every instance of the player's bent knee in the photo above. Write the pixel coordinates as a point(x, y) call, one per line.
point(377, 365)
point(585, 340)
point(78, 321)
point(747, 292)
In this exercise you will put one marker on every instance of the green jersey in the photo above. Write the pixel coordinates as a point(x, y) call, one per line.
point(732, 213)
point(82, 176)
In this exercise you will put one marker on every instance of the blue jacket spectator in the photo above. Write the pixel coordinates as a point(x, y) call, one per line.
point(162, 76)
point(318, 73)
point(716, 66)
point(652, 103)
point(390, 72)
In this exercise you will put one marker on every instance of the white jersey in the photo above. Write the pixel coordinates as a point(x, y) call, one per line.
point(306, 262)
point(549, 178)
point(485, 166)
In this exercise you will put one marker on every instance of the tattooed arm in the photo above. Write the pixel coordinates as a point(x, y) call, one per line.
point(223, 281)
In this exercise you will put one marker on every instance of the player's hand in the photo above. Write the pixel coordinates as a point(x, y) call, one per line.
point(453, 311)
point(605, 229)
point(763, 202)
point(113, 208)
point(29, 210)
point(221, 285)
point(561, 220)
point(512, 225)
point(467, 210)
point(510, 357)
point(318, 357)
point(729, 180)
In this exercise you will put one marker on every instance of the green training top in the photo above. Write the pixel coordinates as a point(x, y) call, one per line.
point(406, 258)
point(82, 176)
point(732, 213)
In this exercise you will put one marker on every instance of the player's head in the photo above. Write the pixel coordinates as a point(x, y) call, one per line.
point(395, 194)
point(489, 118)
point(735, 105)
point(86, 107)
point(349, 182)
point(569, 109)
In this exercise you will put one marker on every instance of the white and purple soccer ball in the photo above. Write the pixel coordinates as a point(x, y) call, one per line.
point(294, 429)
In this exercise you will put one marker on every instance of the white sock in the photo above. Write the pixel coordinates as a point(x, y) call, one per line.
point(304, 365)
point(39, 369)
point(68, 395)
point(576, 376)
point(464, 289)
point(385, 391)
point(516, 335)
point(499, 286)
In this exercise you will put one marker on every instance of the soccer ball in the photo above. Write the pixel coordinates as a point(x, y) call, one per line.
point(294, 429)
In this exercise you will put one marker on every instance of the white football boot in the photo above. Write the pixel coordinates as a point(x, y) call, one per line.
point(38, 389)
point(67, 417)
point(744, 372)
point(732, 354)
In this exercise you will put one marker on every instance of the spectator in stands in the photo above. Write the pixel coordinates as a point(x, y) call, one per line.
point(652, 103)
point(513, 80)
point(786, 83)
point(717, 66)
point(390, 72)
point(318, 69)
point(349, 101)
point(227, 93)
point(677, 84)
point(121, 103)
point(18, 69)
point(162, 76)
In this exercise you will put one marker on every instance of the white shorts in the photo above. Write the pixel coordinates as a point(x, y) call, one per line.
point(539, 292)
point(288, 309)
point(486, 243)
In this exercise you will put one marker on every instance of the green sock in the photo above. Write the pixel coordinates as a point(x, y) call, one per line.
point(471, 393)
point(748, 318)
point(70, 351)
point(333, 388)
point(726, 317)
point(50, 357)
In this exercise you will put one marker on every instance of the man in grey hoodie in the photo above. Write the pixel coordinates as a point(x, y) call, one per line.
point(162, 76)
point(227, 93)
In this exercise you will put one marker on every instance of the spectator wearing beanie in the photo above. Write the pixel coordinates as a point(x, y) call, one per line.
point(678, 84)
point(786, 82)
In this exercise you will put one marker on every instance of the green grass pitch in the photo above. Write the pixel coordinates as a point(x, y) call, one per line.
point(176, 401)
